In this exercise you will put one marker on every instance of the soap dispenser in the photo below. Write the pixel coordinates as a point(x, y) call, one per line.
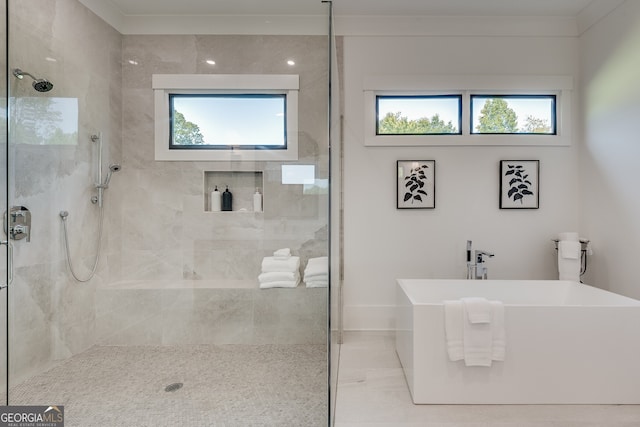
point(227, 200)
point(257, 201)
point(216, 200)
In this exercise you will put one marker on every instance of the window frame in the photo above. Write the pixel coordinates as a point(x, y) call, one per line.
point(252, 95)
point(422, 96)
point(165, 85)
point(465, 85)
point(554, 113)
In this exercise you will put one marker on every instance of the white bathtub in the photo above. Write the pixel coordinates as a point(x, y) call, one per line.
point(567, 343)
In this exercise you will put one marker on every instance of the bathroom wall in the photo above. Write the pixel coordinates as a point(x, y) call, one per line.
point(610, 208)
point(51, 315)
point(383, 243)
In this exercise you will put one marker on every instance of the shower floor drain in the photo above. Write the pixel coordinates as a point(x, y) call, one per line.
point(173, 387)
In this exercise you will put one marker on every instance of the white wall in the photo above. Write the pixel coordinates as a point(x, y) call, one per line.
point(610, 64)
point(383, 243)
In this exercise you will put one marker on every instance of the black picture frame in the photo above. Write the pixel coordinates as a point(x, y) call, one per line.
point(519, 184)
point(416, 184)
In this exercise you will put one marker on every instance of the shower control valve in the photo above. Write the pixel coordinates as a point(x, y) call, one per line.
point(17, 223)
point(20, 231)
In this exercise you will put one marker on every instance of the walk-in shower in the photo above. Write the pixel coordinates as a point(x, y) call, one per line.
point(172, 293)
point(41, 85)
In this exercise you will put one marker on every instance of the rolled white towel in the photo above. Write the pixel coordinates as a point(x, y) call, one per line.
point(272, 264)
point(569, 236)
point(569, 249)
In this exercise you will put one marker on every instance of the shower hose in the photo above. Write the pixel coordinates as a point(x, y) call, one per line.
point(64, 215)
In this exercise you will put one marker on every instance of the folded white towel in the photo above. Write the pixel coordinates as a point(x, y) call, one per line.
point(321, 260)
point(271, 264)
point(453, 318)
point(316, 276)
point(279, 276)
point(478, 341)
point(281, 284)
point(478, 344)
point(569, 249)
point(317, 266)
point(283, 253)
point(317, 283)
point(478, 309)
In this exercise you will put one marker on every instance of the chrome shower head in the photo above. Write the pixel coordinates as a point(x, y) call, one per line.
point(41, 85)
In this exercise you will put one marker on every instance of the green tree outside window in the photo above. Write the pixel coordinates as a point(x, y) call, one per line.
point(185, 132)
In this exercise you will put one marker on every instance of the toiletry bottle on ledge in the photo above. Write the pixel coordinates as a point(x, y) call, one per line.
point(216, 200)
point(227, 200)
point(257, 201)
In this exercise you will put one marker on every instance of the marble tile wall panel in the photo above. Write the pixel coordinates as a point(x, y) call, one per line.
point(62, 41)
point(157, 316)
point(217, 246)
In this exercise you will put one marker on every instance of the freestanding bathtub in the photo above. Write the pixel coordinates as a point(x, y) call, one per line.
point(567, 343)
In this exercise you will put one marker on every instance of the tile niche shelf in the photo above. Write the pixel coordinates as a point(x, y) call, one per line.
point(242, 185)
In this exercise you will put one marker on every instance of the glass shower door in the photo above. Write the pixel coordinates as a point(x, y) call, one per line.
point(4, 252)
point(177, 325)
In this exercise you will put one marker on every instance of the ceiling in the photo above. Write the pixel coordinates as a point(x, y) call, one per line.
point(566, 8)
point(363, 17)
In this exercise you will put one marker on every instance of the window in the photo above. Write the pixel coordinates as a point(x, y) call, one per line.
point(419, 115)
point(226, 117)
point(466, 109)
point(219, 121)
point(513, 114)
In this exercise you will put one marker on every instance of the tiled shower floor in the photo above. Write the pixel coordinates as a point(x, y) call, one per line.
point(229, 385)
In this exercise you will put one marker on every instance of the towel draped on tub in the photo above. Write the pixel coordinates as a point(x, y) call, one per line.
point(475, 331)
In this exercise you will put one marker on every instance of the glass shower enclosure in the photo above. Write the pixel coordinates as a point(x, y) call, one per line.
point(133, 295)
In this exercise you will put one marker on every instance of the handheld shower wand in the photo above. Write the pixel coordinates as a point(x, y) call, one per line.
point(99, 184)
point(104, 185)
point(112, 168)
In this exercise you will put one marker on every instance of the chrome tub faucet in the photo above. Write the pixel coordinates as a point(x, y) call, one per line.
point(476, 268)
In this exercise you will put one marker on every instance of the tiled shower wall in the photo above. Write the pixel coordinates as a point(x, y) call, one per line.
point(51, 315)
point(166, 232)
point(155, 225)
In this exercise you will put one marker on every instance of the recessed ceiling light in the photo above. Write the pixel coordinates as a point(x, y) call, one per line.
point(210, 62)
point(132, 62)
point(291, 62)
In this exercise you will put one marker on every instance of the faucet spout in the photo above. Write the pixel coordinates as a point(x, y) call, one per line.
point(476, 269)
point(480, 254)
point(481, 271)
